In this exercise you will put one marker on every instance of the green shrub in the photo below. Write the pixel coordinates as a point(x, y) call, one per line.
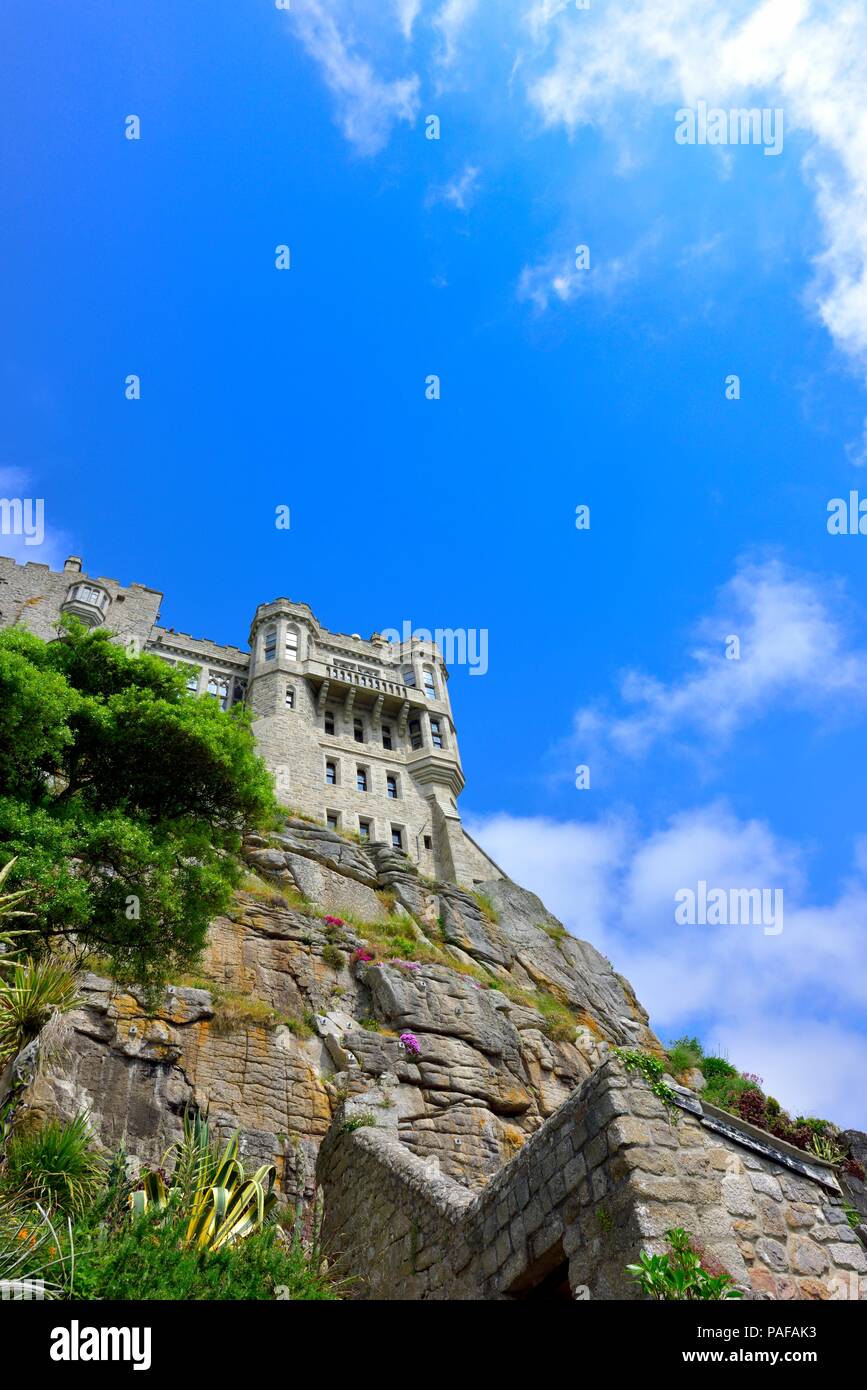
point(146, 1259)
point(680, 1275)
point(683, 1055)
point(332, 957)
point(713, 1068)
point(366, 1120)
point(54, 1166)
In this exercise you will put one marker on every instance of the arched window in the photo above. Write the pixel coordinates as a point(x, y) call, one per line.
point(415, 737)
point(409, 676)
point(430, 689)
point(290, 697)
point(436, 733)
point(218, 689)
point(291, 644)
point(329, 721)
point(331, 774)
point(270, 643)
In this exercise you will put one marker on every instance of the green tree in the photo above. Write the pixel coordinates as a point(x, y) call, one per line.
point(123, 797)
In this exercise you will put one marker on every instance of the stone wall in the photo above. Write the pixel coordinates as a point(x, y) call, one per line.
point(604, 1178)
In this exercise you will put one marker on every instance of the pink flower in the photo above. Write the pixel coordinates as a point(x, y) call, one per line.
point(361, 956)
point(410, 1043)
point(335, 921)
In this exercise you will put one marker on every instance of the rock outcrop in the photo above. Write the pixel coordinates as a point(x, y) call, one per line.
point(509, 1014)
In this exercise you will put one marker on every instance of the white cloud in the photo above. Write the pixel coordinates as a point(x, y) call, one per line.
point(807, 56)
point(407, 13)
point(558, 277)
point(459, 192)
point(450, 21)
point(779, 1005)
point(367, 105)
point(794, 652)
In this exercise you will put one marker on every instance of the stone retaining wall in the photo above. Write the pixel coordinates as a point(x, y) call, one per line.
point(602, 1179)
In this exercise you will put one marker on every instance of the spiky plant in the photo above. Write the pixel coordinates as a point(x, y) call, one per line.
point(35, 1261)
point(32, 992)
point(222, 1205)
point(54, 1166)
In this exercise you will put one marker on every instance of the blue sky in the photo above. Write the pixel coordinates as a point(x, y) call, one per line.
point(605, 387)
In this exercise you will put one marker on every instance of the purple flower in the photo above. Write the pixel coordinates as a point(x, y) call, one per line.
point(410, 1043)
point(406, 964)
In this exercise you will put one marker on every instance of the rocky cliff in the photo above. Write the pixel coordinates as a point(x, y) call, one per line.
point(332, 953)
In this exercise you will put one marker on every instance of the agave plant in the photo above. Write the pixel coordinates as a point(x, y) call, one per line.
point(221, 1204)
point(824, 1146)
point(32, 992)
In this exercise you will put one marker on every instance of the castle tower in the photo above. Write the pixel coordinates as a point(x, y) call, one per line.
point(359, 734)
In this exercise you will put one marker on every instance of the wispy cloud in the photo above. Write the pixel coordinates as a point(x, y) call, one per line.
point(459, 191)
point(558, 278)
point(407, 13)
point(450, 21)
point(794, 652)
point(807, 56)
point(368, 106)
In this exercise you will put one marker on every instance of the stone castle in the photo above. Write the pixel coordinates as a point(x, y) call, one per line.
point(513, 1152)
point(358, 734)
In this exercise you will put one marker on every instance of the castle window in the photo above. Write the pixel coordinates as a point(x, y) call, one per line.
point(332, 820)
point(430, 689)
point(290, 697)
point(386, 736)
point(331, 774)
point(270, 644)
point(192, 679)
point(239, 691)
point(291, 645)
point(218, 689)
point(329, 721)
point(88, 603)
point(391, 787)
point(361, 778)
point(436, 733)
point(397, 837)
point(364, 829)
point(358, 730)
point(415, 734)
point(85, 593)
point(409, 676)
point(427, 841)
